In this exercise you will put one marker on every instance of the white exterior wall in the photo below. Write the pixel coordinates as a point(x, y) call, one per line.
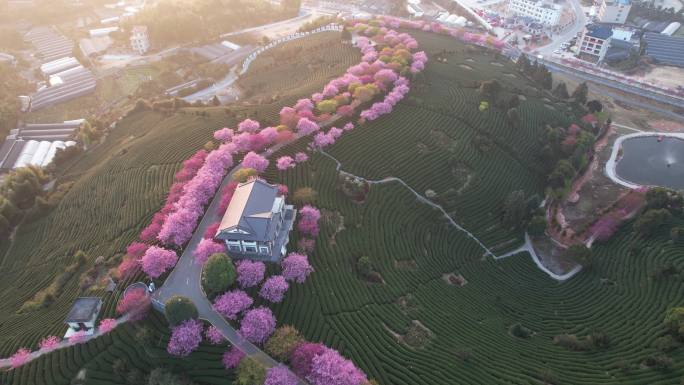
point(613, 12)
point(140, 42)
point(594, 46)
point(545, 13)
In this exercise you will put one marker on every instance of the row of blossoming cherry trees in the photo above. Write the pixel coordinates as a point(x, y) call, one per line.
point(373, 87)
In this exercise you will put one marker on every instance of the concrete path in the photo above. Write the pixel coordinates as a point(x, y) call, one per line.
point(6, 363)
point(526, 247)
point(185, 279)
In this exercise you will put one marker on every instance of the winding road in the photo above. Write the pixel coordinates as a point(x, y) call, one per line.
point(185, 279)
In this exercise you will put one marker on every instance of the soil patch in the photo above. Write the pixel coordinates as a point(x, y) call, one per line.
point(417, 335)
point(405, 264)
point(466, 67)
point(335, 220)
point(494, 63)
point(454, 279)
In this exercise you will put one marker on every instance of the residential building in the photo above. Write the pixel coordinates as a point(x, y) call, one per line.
point(594, 42)
point(544, 12)
point(257, 222)
point(614, 11)
point(83, 315)
point(664, 49)
point(140, 41)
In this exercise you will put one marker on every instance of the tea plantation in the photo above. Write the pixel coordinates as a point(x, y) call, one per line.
point(428, 142)
point(412, 326)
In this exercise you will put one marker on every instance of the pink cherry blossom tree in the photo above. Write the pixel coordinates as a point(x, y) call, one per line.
point(157, 261)
point(128, 267)
point(206, 248)
point(301, 157)
point(304, 105)
point(185, 338)
point(232, 357)
point(308, 220)
point(285, 162)
point(107, 325)
point(305, 126)
point(255, 161)
point(225, 134)
point(250, 273)
point(232, 303)
point(257, 325)
point(289, 117)
point(48, 343)
point(330, 368)
point(135, 303)
point(213, 335)
point(296, 267)
point(20, 357)
point(303, 355)
point(279, 375)
point(248, 125)
point(274, 289)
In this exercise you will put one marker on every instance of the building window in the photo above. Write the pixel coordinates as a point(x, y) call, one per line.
point(250, 249)
point(234, 247)
point(263, 250)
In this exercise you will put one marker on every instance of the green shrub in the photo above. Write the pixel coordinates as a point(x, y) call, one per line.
point(178, 309)
point(250, 372)
point(218, 274)
point(283, 341)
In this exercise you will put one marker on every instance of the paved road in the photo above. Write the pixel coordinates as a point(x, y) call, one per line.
point(569, 33)
point(185, 278)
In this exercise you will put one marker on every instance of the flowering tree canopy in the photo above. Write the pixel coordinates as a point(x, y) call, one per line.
point(48, 343)
point(308, 221)
point(225, 134)
point(136, 249)
point(285, 162)
point(255, 161)
point(257, 325)
point(248, 125)
point(274, 288)
point(185, 338)
point(157, 260)
point(213, 335)
point(135, 303)
point(279, 375)
point(301, 157)
point(232, 357)
point(305, 126)
point(330, 368)
point(107, 325)
point(128, 267)
point(206, 248)
point(304, 105)
point(250, 273)
point(20, 357)
point(179, 224)
point(302, 357)
point(232, 303)
point(296, 267)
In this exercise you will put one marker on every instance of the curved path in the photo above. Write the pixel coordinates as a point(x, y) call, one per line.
point(185, 279)
point(612, 162)
point(526, 247)
point(7, 363)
